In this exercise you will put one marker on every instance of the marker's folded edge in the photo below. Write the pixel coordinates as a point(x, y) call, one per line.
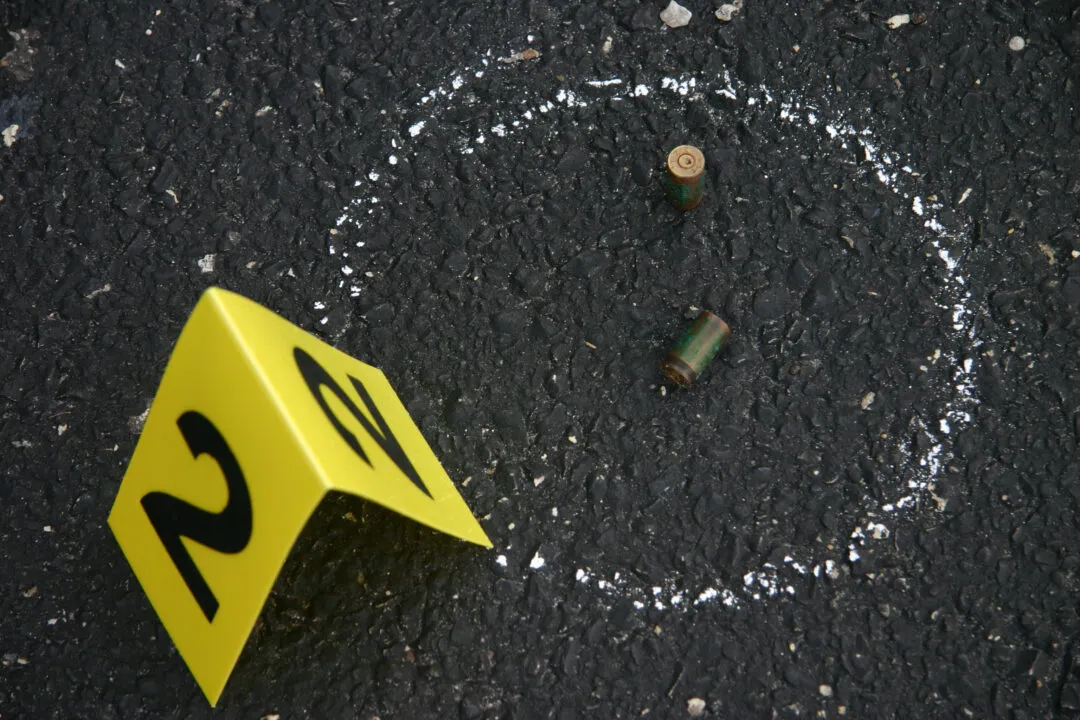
point(473, 533)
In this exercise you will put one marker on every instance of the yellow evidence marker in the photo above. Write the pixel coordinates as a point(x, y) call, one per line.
point(254, 422)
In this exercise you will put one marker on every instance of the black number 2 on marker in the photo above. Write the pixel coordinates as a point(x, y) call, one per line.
point(317, 378)
point(227, 531)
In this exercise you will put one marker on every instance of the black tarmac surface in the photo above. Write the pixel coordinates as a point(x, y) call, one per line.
point(867, 507)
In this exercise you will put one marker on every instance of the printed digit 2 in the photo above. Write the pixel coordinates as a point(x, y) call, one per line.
point(316, 377)
point(227, 531)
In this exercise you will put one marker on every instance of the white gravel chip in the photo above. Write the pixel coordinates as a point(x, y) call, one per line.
point(1016, 43)
point(695, 707)
point(898, 21)
point(675, 15)
point(728, 11)
point(10, 133)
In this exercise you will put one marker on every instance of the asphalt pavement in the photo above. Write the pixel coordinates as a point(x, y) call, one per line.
point(866, 507)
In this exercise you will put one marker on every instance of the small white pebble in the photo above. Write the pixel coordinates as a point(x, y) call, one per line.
point(825, 690)
point(727, 12)
point(1016, 43)
point(695, 707)
point(572, 439)
point(867, 401)
point(675, 15)
point(501, 561)
point(10, 133)
point(537, 562)
point(898, 20)
point(48, 528)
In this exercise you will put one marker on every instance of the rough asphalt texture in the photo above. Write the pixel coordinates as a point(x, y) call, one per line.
point(490, 271)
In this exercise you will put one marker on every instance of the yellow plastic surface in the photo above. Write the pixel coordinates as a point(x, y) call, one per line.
point(254, 422)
